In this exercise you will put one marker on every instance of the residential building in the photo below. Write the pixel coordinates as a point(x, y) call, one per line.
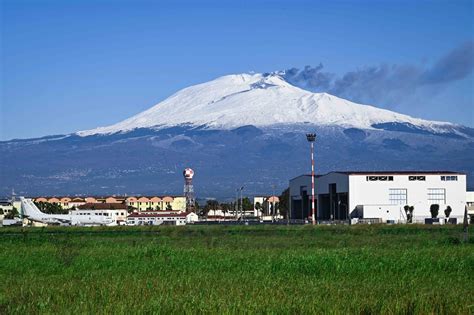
point(157, 203)
point(141, 218)
point(115, 211)
point(268, 208)
point(7, 205)
point(470, 204)
point(76, 202)
point(141, 203)
point(220, 215)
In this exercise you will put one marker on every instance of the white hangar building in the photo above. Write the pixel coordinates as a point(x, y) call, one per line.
point(381, 196)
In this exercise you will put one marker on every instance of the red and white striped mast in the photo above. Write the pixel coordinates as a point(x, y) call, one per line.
point(311, 138)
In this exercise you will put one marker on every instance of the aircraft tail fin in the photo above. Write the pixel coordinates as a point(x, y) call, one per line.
point(29, 208)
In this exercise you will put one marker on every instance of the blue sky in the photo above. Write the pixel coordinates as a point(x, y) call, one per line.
point(75, 65)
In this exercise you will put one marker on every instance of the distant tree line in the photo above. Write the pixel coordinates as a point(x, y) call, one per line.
point(247, 205)
point(51, 208)
point(10, 215)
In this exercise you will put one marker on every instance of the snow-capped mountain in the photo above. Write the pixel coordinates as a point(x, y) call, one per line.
point(260, 100)
point(237, 130)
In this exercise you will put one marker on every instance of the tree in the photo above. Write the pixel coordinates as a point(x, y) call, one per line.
point(273, 209)
point(168, 207)
point(434, 209)
point(130, 209)
point(409, 213)
point(226, 208)
point(12, 214)
point(447, 212)
point(258, 207)
point(247, 204)
point(284, 201)
point(51, 208)
point(265, 207)
point(210, 205)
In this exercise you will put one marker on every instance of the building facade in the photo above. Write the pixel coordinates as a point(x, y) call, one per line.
point(140, 203)
point(115, 211)
point(157, 203)
point(470, 204)
point(379, 195)
point(268, 207)
point(143, 218)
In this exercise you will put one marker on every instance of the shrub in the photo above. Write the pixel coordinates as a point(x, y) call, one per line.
point(409, 213)
point(447, 211)
point(434, 209)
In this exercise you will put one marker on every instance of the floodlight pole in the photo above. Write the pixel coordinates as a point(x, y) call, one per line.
point(311, 137)
point(236, 206)
point(242, 215)
point(273, 205)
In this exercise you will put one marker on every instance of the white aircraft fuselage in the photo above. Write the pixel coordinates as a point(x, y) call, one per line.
point(31, 212)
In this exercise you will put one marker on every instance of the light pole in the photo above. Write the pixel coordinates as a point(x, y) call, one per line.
point(241, 203)
point(236, 206)
point(311, 137)
point(273, 205)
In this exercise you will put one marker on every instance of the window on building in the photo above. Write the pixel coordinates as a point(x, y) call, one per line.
point(397, 196)
point(379, 178)
point(419, 178)
point(449, 178)
point(437, 195)
point(303, 190)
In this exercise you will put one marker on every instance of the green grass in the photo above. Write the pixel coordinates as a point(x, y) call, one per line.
point(254, 269)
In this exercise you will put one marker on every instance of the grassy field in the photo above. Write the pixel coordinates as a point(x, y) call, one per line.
point(254, 269)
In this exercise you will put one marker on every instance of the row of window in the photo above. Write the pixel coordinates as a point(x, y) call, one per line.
point(410, 178)
point(379, 178)
point(148, 203)
point(99, 213)
point(398, 196)
point(162, 219)
point(151, 222)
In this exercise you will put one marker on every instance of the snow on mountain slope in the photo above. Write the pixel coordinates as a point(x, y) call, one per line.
point(260, 100)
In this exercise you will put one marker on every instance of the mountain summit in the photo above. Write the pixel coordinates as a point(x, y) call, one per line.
point(237, 130)
point(260, 100)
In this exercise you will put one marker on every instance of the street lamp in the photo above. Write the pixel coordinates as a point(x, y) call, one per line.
point(239, 208)
point(273, 205)
point(236, 206)
point(311, 137)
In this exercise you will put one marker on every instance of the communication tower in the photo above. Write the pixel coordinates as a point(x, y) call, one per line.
point(189, 189)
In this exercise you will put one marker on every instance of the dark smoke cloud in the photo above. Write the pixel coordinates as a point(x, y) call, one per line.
point(456, 65)
point(311, 78)
point(386, 85)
